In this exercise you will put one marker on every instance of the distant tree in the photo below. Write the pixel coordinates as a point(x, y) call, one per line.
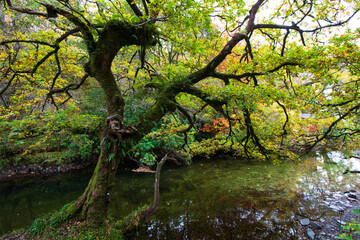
point(256, 65)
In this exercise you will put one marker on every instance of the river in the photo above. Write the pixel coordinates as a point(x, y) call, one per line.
point(218, 198)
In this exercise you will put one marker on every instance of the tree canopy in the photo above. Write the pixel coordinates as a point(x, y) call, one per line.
point(256, 78)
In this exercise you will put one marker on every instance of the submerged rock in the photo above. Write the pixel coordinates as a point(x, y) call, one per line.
point(315, 225)
point(305, 221)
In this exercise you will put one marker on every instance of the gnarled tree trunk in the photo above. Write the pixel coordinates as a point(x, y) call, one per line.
point(93, 203)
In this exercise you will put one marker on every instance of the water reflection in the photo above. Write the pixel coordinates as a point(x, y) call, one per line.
point(244, 220)
point(22, 202)
point(223, 198)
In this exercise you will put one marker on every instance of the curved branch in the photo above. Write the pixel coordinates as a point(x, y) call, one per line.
point(284, 43)
point(38, 64)
point(26, 41)
point(251, 132)
point(69, 87)
point(214, 103)
point(53, 11)
point(25, 10)
point(337, 104)
point(48, 55)
point(224, 76)
point(307, 13)
point(284, 133)
point(237, 37)
point(333, 124)
point(297, 28)
point(165, 100)
point(152, 209)
point(191, 124)
point(58, 72)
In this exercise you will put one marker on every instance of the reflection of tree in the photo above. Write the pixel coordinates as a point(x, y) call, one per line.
point(30, 207)
point(324, 154)
point(245, 222)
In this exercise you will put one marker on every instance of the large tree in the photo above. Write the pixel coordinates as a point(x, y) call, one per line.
point(260, 55)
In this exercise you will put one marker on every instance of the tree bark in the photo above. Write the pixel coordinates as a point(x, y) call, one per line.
point(93, 203)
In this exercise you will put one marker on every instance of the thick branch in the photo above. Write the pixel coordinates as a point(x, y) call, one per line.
point(165, 100)
point(135, 8)
point(217, 60)
point(214, 103)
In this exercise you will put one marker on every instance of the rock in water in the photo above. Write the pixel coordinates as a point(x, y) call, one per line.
point(310, 233)
point(305, 222)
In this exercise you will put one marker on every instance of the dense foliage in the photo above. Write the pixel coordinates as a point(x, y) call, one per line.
point(260, 79)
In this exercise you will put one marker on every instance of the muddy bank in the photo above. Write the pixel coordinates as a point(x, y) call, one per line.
point(46, 169)
point(29, 170)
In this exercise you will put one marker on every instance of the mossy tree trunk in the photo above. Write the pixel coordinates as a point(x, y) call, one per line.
point(93, 203)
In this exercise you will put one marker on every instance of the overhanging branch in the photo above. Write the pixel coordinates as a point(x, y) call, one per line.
point(239, 77)
point(66, 89)
point(332, 125)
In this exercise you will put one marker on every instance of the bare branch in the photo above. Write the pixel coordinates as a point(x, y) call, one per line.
point(58, 72)
point(26, 41)
point(191, 124)
point(38, 64)
point(332, 125)
point(284, 42)
point(252, 74)
point(25, 10)
point(69, 87)
point(8, 84)
point(284, 133)
point(152, 209)
point(301, 31)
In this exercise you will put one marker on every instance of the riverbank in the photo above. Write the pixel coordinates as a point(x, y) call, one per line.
point(337, 211)
point(42, 169)
point(46, 168)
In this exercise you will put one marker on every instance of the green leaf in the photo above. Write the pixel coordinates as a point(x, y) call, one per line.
point(111, 156)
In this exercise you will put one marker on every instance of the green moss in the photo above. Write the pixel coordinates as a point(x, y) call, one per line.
point(131, 222)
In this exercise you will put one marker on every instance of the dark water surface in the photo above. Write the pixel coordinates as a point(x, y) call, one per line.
point(223, 198)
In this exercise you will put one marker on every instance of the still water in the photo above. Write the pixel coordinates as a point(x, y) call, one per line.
point(222, 198)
